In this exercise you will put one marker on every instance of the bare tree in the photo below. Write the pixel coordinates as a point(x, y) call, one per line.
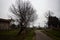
point(25, 12)
point(48, 15)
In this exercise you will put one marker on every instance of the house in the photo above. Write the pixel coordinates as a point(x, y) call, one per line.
point(4, 24)
point(53, 22)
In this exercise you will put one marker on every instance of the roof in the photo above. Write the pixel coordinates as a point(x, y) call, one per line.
point(5, 20)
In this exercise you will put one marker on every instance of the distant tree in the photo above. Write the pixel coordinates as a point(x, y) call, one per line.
point(48, 15)
point(25, 12)
point(52, 21)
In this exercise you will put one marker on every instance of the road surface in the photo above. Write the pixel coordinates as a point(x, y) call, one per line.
point(41, 36)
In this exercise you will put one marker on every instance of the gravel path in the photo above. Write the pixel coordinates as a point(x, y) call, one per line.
point(41, 36)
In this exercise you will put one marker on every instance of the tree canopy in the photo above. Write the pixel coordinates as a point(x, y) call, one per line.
point(25, 12)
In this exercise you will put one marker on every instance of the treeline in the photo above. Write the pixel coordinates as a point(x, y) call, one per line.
point(53, 21)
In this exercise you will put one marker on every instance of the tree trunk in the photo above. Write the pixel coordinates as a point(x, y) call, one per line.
point(23, 27)
point(20, 31)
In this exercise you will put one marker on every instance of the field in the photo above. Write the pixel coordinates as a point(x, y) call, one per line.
point(7, 35)
point(54, 34)
point(12, 35)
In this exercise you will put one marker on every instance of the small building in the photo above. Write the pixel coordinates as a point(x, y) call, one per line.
point(53, 22)
point(4, 24)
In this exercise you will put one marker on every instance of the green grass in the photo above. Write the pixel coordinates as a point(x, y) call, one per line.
point(12, 32)
point(53, 34)
point(25, 36)
point(30, 35)
point(7, 35)
point(11, 35)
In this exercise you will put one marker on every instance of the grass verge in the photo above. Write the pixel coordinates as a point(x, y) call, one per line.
point(7, 35)
point(54, 34)
point(30, 35)
point(11, 35)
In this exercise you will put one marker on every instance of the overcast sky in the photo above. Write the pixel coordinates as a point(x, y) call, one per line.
point(41, 7)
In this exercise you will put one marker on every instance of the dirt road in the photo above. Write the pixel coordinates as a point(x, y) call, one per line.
point(41, 36)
